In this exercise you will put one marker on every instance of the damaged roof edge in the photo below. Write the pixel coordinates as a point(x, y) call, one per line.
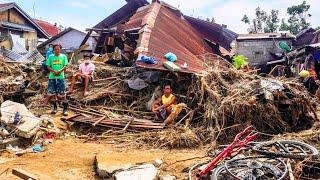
point(122, 14)
point(213, 31)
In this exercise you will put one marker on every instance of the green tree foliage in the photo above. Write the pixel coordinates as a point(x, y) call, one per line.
point(298, 20)
point(284, 26)
point(262, 21)
point(245, 19)
point(298, 17)
point(272, 23)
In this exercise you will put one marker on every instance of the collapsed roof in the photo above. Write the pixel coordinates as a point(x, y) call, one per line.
point(162, 29)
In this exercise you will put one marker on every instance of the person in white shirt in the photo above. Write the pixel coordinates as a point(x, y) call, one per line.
point(85, 73)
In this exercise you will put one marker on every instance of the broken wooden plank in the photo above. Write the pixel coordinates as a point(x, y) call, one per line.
point(99, 120)
point(24, 174)
point(129, 123)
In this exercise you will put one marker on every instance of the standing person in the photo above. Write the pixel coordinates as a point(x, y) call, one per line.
point(44, 63)
point(85, 73)
point(49, 51)
point(57, 65)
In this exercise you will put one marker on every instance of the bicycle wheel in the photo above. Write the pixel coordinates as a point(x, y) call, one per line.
point(255, 168)
point(286, 149)
point(220, 173)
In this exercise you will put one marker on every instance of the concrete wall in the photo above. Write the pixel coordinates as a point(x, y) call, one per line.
point(257, 51)
point(73, 39)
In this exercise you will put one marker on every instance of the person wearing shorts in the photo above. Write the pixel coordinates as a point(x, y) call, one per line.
point(57, 65)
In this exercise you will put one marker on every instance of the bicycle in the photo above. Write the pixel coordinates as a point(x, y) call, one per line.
point(254, 167)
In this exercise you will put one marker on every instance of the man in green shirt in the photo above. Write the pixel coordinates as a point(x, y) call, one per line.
point(57, 64)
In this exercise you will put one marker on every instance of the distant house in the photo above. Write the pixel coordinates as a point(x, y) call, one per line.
point(70, 39)
point(262, 47)
point(18, 30)
point(50, 29)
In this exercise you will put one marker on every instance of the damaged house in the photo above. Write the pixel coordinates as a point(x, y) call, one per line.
point(18, 30)
point(70, 40)
point(262, 48)
point(142, 29)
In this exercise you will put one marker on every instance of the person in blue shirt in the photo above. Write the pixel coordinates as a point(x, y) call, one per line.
point(49, 51)
point(44, 63)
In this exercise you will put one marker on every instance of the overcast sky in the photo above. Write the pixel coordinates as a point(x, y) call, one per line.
point(82, 14)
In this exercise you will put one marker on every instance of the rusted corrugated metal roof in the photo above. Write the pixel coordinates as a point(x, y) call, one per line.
point(51, 29)
point(172, 33)
point(136, 20)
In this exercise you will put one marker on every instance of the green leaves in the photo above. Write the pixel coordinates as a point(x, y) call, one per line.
point(263, 22)
point(239, 61)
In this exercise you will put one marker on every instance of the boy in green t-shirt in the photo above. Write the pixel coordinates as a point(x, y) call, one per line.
point(57, 64)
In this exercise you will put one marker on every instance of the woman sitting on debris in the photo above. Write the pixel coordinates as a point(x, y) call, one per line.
point(85, 74)
point(166, 108)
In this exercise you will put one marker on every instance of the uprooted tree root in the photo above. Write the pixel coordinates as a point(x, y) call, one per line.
point(236, 97)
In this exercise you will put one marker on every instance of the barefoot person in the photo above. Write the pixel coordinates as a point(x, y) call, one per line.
point(166, 108)
point(57, 65)
point(85, 73)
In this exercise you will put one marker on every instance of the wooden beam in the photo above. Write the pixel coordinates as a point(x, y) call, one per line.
point(8, 15)
point(86, 38)
point(24, 174)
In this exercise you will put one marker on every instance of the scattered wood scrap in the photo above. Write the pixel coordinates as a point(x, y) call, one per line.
point(120, 122)
point(24, 174)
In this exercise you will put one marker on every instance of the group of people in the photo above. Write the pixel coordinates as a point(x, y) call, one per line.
point(57, 63)
point(165, 108)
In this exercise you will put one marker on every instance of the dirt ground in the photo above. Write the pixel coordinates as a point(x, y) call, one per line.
point(73, 159)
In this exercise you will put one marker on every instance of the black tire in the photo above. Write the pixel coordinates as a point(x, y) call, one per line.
point(310, 150)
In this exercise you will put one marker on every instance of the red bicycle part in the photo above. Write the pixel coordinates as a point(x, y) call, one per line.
point(240, 141)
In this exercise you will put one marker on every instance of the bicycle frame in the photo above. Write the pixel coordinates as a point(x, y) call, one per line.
point(239, 141)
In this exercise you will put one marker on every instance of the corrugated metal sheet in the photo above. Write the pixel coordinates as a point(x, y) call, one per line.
point(213, 32)
point(51, 29)
point(136, 20)
point(172, 33)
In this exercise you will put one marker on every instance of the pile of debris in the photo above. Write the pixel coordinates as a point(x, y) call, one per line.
point(18, 79)
point(271, 105)
point(22, 132)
